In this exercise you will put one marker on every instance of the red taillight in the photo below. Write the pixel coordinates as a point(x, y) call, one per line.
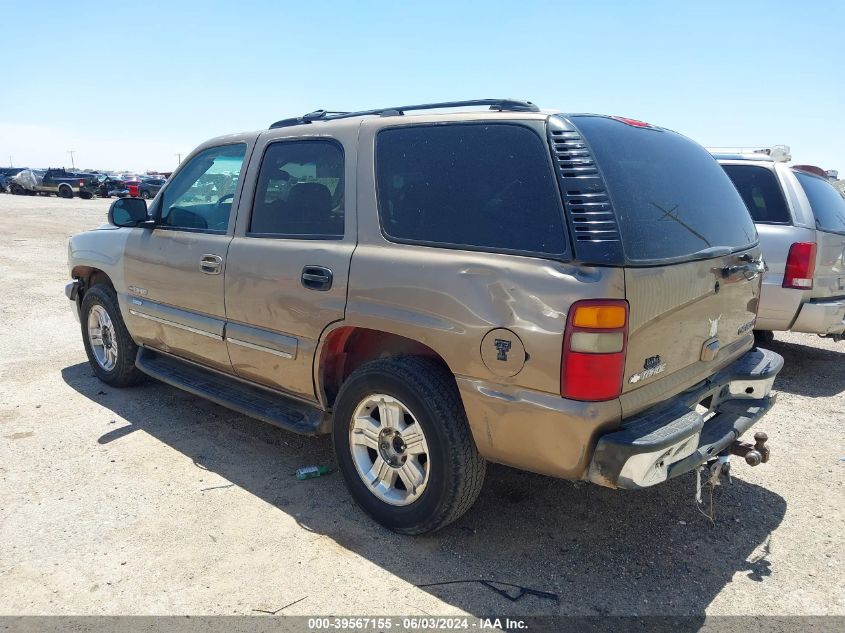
point(800, 266)
point(593, 359)
point(631, 122)
point(81, 183)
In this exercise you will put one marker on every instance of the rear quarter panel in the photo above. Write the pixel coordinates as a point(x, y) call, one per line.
point(450, 299)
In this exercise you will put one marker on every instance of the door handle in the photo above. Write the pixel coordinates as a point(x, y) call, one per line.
point(749, 270)
point(211, 264)
point(317, 277)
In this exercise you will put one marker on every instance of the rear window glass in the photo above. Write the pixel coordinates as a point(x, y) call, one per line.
point(473, 186)
point(760, 191)
point(671, 197)
point(827, 203)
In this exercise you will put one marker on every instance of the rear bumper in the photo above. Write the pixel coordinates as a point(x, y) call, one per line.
point(678, 436)
point(821, 316)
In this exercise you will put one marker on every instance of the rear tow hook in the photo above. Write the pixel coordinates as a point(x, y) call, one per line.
point(754, 454)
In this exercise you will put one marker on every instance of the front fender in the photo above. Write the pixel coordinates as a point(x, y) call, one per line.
point(101, 249)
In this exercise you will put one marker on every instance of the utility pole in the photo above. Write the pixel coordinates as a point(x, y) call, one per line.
point(72, 152)
point(178, 159)
point(10, 161)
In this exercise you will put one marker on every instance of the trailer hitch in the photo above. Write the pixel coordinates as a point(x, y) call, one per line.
point(754, 454)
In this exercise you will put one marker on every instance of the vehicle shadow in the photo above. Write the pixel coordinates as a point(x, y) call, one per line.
point(803, 361)
point(582, 549)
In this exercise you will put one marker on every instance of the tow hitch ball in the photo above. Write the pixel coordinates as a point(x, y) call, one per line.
point(754, 454)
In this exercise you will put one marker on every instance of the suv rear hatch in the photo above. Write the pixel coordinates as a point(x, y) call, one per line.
point(685, 239)
point(828, 207)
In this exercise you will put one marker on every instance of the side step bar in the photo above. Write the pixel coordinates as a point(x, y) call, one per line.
point(234, 394)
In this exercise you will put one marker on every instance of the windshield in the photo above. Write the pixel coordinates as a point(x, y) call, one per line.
point(672, 199)
point(827, 203)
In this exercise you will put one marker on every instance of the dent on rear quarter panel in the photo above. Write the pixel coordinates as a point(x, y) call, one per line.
point(449, 300)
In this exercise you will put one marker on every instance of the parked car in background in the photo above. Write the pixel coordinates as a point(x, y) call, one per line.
point(63, 183)
point(800, 218)
point(574, 296)
point(6, 173)
point(25, 182)
point(133, 187)
point(149, 187)
point(110, 186)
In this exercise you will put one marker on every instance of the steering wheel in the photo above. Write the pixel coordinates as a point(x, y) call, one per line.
point(228, 196)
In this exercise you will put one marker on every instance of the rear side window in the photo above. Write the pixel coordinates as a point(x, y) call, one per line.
point(761, 193)
point(671, 197)
point(471, 186)
point(300, 191)
point(827, 203)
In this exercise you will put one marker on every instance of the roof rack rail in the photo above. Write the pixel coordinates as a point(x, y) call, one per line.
point(509, 105)
point(776, 153)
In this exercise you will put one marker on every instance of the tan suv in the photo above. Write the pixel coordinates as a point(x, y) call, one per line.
point(573, 295)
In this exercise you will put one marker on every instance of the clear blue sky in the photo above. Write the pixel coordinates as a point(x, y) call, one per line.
point(129, 85)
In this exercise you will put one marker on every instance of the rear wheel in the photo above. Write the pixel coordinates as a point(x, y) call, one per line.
point(65, 191)
point(145, 195)
point(403, 444)
point(110, 349)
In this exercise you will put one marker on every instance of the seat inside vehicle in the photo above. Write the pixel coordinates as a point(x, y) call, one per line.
point(308, 210)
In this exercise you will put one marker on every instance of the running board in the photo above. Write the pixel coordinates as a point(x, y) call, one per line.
point(234, 394)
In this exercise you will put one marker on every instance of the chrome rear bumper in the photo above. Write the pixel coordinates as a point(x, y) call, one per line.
point(691, 429)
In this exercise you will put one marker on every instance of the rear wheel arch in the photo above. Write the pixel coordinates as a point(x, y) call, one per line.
point(347, 348)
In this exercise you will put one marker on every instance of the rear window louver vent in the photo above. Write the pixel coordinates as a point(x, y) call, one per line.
point(591, 216)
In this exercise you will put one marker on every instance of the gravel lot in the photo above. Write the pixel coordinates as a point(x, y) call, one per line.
point(151, 501)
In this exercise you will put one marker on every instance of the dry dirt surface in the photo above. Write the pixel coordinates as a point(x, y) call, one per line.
point(151, 501)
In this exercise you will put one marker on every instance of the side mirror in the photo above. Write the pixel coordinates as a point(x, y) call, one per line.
point(129, 212)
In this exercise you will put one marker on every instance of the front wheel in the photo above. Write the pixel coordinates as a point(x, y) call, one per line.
point(403, 444)
point(110, 349)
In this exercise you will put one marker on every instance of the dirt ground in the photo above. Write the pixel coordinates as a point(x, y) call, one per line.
point(151, 501)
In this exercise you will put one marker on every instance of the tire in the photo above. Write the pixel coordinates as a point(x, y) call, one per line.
point(454, 471)
point(121, 371)
point(86, 195)
point(65, 192)
point(145, 195)
point(764, 337)
point(15, 189)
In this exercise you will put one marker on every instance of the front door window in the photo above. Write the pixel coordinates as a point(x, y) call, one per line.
point(200, 195)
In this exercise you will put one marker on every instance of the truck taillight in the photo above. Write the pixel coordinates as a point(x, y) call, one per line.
point(594, 345)
point(800, 266)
